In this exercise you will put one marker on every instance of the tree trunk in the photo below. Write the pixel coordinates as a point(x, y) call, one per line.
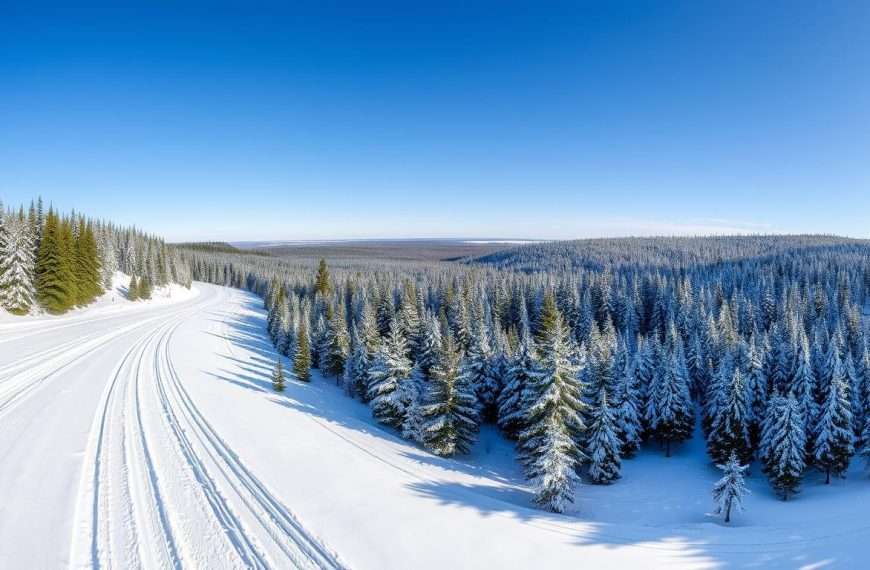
point(827, 476)
point(728, 512)
point(668, 448)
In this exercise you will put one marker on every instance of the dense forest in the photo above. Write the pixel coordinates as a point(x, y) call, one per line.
point(582, 352)
point(54, 262)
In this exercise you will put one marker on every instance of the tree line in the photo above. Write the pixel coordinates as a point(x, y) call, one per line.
point(765, 354)
point(54, 262)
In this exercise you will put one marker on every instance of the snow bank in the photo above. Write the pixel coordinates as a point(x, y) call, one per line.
point(112, 301)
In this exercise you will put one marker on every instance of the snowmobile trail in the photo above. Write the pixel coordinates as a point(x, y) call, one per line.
point(161, 489)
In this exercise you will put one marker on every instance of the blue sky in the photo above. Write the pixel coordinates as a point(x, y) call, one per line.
point(341, 120)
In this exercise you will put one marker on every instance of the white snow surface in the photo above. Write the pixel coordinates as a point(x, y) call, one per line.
point(147, 435)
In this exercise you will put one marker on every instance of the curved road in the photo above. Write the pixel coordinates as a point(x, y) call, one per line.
point(108, 462)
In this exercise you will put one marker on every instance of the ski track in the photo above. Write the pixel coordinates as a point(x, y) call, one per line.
point(161, 489)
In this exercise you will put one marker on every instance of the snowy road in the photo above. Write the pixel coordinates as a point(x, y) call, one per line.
point(108, 462)
point(150, 438)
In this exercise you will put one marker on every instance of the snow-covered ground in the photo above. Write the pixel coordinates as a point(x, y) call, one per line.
point(149, 436)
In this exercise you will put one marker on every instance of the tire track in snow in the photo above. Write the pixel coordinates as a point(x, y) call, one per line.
point(286, 534)
point(18, 387)
point(162, 476)
point(110, 512)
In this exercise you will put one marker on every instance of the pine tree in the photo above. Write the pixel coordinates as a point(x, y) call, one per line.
point(357, 367)
point(145, 288)
point(389, 368)
point(728, 492)
point(321, 283)
point(413, 393)
point(511, 409)
point(674, 418)
point(627, 403)
point(428, 344)
point(783, 448)
point(603, 446)
point(477, 364)
point(302, 358)
point(833, 438)
point(549, 444)
point(337, 345)
point(729, 433)
point(55, 288)
point(17, 266)
point(450, 417)
point(133, 289)
point(87, 265)
point(278, 380)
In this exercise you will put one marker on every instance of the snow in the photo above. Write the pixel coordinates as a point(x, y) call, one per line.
point(148, 435)
point(112, 302)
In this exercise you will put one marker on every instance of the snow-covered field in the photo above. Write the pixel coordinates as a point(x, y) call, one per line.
point(147, 435)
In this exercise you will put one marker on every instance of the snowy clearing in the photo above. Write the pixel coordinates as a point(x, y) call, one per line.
point(150, 437)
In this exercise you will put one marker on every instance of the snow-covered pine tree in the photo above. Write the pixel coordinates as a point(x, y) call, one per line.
point(17, 266)
point(413, 394)
point(389, 368)
point(476, 365)
point(429, 343)
point(550, 442)
point(783, 445)
point(278, 380)
point(626, 402)
point(603, 446)
point(756, 389)
point(356, 368)
point(675, 417)
point(804, 382)
point(511, 407)
point(336, 345)
point(729, 491)
point(729, 432)
point(833, 444)
point(302, 357)
point(450, 417)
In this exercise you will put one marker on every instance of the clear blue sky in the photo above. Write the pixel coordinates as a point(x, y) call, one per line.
point(364, 119)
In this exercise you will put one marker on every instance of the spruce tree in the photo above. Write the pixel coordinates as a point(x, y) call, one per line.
point(511, 408)
point(729, 433)
point(450, 417)
point(145, 288)
point(87, 265)
point(833, 444)
point(278, 380)
point(389, 368)
point(55, 288)
point(302, 358)
point(477, 364)
point(783, 448)
point(356, 368)
point(336, 345)
point(17, 266)
point(550, 442)
point(728, 492)
point(627, 404)
point(133, 289)
point(603, 447)
point(321, 282)
point(674, 418)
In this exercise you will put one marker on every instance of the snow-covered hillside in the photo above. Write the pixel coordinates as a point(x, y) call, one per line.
point(150, 437)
